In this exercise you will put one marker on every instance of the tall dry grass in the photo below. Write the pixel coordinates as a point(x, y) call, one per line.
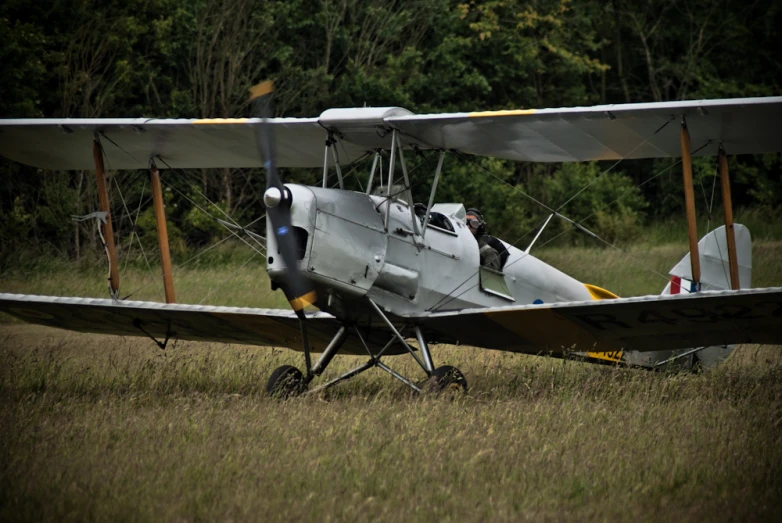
point(107, 428)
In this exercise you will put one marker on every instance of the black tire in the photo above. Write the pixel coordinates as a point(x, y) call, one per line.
point(447, 379)
point(285, 382)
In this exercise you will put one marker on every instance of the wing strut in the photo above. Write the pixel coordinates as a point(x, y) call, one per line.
point(727, 204)
point(162, 233)
point(108, 229)
point(434, 190)
point(689, 200)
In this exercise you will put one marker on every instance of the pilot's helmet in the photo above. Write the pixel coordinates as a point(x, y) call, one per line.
point(479, 227)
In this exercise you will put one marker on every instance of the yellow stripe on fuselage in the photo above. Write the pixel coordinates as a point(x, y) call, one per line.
point(598, 293)
point(219, 121)
point(614, 356)
point(510, 112)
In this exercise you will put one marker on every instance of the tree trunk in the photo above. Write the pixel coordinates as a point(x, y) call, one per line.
point(227, 190)
point(619, 61)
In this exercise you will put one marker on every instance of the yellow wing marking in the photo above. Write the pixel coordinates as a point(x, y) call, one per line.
point(511, 112)
point(219, 121)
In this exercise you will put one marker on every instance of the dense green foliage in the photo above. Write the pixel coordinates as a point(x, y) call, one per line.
point(163, 58)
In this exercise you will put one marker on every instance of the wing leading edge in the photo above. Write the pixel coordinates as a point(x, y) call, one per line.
point(647, 323)
point(265, 327)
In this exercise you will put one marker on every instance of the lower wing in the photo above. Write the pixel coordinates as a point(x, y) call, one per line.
point(268, 327)
point(646, 323)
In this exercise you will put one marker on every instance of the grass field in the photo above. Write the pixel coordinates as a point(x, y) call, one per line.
point(102, 428)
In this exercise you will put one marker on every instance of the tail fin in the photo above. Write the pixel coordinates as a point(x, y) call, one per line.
point(715, 275)
point(715, 269)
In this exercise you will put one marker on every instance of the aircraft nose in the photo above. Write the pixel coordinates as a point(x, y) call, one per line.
point(272, 197)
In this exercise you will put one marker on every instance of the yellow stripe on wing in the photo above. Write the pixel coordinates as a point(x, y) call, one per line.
point(302, 301)
point(219, 120)
point(511, 112)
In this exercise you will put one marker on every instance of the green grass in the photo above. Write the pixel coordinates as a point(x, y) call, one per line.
point(232, 276)
point(107, 428)
point(228, 276)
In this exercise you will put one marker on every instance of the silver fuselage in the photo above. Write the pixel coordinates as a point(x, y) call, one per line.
point(349, 254)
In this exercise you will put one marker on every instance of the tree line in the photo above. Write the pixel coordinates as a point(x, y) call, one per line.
point(166, 58)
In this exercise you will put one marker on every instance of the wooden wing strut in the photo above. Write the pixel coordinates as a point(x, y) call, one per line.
point(108, 229)
point(689, 200)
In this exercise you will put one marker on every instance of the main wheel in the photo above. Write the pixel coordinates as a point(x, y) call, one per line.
point(447, 379)
point(285, 382)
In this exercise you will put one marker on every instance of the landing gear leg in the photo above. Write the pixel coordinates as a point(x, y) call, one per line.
point(445, 379)
point(440, 379)
point(288, 381)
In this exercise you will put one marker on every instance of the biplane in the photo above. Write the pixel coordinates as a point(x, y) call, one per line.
point(373, 273)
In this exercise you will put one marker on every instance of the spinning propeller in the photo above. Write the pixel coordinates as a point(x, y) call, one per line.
point(277, 198)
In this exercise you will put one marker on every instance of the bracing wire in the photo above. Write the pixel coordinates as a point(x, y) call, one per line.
point(127, 211)
point(577, 223)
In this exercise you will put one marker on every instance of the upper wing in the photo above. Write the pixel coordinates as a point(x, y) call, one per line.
point(605, 132)
point(129, 143)
point(647, 323)
point(269, 327)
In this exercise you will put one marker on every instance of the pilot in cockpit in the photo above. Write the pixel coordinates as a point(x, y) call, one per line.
point(492, 251)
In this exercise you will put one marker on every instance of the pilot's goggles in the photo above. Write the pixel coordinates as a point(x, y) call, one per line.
point(473, 223)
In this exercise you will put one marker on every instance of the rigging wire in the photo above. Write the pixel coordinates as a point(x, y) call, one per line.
point(133, 222)
point(620, 160)
point(127, 211)
point(183, 195)
point(214, 205)
point(101, 133)
point(353, 170)
point(444, 300)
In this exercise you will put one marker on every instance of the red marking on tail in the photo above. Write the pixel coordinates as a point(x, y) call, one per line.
point(676, 285)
